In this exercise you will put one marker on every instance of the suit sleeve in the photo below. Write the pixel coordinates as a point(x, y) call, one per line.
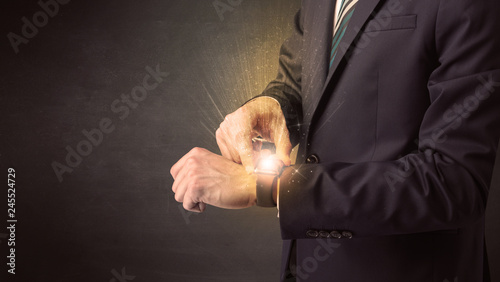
point(286, 87)
point(444, 184)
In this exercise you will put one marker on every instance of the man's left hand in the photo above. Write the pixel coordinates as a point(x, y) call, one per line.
point(202, 177)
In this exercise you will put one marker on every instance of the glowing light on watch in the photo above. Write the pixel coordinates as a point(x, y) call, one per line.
point(269, 166)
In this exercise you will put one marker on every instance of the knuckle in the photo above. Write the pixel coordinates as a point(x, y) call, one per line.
point(222, 126)
point(243, 110)
point(191, 163)
point(178, 198)
point(192, 176)
point(196, 150)
point(220, 134)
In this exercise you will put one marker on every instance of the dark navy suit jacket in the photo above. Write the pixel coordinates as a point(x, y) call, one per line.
point(397, 141)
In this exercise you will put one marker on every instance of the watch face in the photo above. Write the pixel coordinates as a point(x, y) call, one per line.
point(269, 166)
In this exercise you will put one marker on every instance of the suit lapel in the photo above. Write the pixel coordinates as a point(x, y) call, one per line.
point(361, 14)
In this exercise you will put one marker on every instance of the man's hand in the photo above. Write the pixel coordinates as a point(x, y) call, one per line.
point(202, 177)
point(259, 117)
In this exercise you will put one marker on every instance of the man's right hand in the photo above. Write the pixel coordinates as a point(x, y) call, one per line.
point(259, 117)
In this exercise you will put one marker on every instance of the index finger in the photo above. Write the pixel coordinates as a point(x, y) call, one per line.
point(245, 149)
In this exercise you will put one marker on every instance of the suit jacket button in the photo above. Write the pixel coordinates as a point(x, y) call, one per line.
point(324, 234)
point(312, 159)
point(312, 233)
point(335, 234)
point(347, 234)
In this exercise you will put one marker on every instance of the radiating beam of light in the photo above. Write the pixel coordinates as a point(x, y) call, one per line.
point(212, 99)
point(208, 129)
point(231, 62)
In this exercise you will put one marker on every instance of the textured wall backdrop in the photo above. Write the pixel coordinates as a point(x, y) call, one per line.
point(98, 100)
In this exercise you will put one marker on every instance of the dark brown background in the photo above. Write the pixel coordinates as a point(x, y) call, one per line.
point(115, 209)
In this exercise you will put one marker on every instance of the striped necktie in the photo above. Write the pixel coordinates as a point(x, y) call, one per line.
point(345, 14)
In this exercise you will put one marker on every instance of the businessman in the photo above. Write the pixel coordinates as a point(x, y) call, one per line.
point(395, 105)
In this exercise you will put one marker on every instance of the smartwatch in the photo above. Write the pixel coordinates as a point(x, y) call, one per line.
point(268, 171)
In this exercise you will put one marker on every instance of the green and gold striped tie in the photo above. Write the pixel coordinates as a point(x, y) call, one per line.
point(345, 14)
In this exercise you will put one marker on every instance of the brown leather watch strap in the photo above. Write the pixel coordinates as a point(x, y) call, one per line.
point(265, 184)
